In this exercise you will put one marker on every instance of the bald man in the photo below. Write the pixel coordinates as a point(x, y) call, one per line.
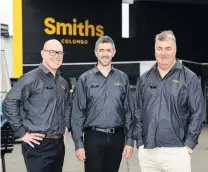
point(44, 97)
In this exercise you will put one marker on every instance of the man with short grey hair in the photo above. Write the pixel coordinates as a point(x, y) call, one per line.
point(169, 111)
point(103, 111)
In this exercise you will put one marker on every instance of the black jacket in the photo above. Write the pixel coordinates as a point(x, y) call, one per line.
point(169, 111)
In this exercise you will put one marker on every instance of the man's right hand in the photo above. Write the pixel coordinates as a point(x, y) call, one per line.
point(80, 154)
point(31, 138)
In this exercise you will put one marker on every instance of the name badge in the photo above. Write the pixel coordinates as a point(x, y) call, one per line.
point(153, 86)
point(94, 86)
point(49, 87)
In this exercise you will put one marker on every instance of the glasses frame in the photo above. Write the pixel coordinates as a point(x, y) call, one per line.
point(60, 53)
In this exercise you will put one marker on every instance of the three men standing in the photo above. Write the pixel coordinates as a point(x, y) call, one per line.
point(166, 120)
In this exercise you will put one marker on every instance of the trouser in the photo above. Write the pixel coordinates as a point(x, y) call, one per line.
point(103, 151)
point(164, 159)
point(46, 157)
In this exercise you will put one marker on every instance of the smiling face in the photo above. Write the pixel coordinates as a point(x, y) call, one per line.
point(52, 55)
point(104, 53)
point(165, 53)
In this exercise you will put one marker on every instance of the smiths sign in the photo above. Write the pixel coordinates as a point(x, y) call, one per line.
point(71, 29)
point(77, 24)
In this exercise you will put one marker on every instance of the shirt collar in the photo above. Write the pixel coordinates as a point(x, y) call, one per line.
point(177, 65)
point(96, 70)
point(46, 71)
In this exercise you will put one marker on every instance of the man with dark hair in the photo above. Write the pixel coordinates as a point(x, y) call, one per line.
point(103, 111)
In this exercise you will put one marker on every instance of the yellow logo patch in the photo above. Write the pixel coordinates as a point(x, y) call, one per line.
point(63, 86)
point(176, 81)
point(117, 84)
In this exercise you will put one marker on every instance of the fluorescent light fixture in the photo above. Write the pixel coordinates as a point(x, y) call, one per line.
point(125, 20)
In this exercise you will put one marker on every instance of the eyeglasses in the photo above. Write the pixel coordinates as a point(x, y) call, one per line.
point(53, 53)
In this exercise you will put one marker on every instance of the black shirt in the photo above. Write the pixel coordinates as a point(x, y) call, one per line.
point(38, 102)
point(103, 102)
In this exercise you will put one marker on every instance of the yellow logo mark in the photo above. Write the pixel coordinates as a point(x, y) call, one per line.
point(72, 29)
point(117, 84)
point(176, 81)
point(63, 86)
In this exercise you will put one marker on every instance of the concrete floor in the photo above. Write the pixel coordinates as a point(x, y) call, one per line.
point(14, 161)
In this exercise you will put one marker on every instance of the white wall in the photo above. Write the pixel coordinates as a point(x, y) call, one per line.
point(125, 20)
point(6, 14)
point(6, 17)
point(4, 76)
point(145, 66)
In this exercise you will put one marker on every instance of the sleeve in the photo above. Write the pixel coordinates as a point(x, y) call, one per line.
point(137, 131)
point(196, 105)
point(17, 95)
point(77, 117)
point(129, 109)
point(68, 106)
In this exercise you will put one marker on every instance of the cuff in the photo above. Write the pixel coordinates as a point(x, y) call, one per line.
point(191, 144)
point(79, 144)
point(129, 142)
point(139, 143)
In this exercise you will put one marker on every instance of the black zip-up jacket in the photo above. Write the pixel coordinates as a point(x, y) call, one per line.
point(169, 111)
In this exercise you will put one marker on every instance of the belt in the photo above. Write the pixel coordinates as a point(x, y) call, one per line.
point(53, 137)
point(105, 130)
point(49, 136)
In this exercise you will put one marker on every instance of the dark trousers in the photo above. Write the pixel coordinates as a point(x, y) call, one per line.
point(103, 151)
point(46, 157)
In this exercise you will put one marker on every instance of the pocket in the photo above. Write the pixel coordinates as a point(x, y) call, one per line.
point(148, 93)
point(140, 152)
point(177, 90)
point(87, 138)
point(26, 148)
point(38, 91)
point(93, 91)
point(141, 147)
point(37, 94)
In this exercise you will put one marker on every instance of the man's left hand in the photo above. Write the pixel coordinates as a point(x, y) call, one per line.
point(127, 152)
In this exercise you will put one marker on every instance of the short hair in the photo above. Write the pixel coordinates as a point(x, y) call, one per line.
point(165, 35)
point(105, 39)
